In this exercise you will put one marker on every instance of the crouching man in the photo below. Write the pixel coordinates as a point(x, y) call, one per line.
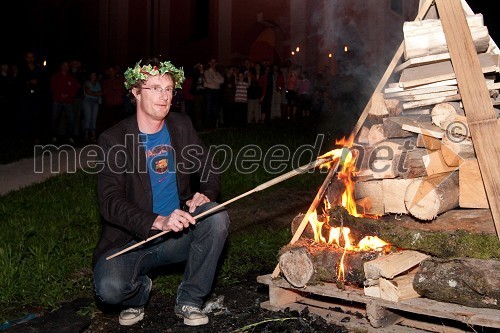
point(144, 188)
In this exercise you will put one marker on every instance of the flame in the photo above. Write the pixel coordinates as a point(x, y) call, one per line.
point(369, 243)
point(341, 270)
point(317, 226)
point(340, 236)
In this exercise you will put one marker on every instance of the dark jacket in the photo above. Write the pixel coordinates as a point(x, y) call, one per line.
point(124, 189)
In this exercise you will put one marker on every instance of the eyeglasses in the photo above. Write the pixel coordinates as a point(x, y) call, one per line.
point(160, 90)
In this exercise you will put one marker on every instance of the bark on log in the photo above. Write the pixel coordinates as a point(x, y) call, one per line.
point(465, 281)
point(394, 130)
point(428, 197)
point(441, 243)
point(305, 263)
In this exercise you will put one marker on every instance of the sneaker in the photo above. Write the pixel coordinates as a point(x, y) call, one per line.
point(192, 315)
point(131, 316)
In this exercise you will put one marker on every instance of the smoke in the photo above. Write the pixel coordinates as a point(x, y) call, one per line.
point(371, 32)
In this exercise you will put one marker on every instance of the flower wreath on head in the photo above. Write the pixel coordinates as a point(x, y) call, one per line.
point(141, 73)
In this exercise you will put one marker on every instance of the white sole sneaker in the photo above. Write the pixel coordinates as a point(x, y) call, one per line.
point(131, 316)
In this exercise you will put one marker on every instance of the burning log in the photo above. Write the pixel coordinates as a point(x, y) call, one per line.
point(439, 243)
point(305, 263)
point(465, 281)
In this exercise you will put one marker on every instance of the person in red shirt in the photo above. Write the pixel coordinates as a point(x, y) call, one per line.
point(64, 87)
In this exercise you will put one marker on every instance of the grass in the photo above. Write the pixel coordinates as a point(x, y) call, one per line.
point(49, 231)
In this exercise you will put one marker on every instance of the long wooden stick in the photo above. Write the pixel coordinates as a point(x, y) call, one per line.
point(314, 205)
point(269, 183)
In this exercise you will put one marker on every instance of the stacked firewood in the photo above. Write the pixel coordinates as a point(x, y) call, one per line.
point(416, 153)
point(391, 277)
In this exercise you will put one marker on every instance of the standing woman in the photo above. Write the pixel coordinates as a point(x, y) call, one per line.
point(92, 92)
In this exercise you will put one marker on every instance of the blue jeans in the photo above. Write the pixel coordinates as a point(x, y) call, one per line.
point(67, 108)
point(90, 110)
point(123, 280)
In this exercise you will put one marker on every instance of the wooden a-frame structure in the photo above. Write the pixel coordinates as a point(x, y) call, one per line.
point(483, 124)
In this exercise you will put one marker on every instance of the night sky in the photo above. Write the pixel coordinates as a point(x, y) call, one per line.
point(38, 25)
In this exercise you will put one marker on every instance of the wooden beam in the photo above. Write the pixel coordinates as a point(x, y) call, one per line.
point(485, 129)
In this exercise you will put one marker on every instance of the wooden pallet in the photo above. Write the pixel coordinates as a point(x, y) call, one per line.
point(352, 309)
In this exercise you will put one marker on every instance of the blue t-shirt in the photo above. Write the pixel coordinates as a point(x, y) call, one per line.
point(161, 169)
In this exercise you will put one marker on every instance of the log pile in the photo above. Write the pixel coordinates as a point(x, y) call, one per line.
point(450, 266)
point(418, 154)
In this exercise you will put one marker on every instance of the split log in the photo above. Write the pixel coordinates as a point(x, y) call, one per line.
point(465, 281)
point(428, 142)
point(435, 164)
point(376, 134)
point(384, 158)
point(398, 289)
point(430, 196)
point(455, 149)
point(393, 106)
point(420, 126)
point(394, 264)
point(456, 125)
point(363, 135)
point(412, 164)
point(472, 192)
point(393, 158)
point(378, 107)
point(371, 196)
point(393, 130)
point(394, 195)
point(426, 37)
point(451, 239)
point(304, 263)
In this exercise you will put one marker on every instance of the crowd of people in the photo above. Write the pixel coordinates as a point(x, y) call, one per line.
point(69, 105)
point(215, 95)
point(74, 104)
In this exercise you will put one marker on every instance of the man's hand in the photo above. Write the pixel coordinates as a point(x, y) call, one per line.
point(176, 221)
point(197, 200)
